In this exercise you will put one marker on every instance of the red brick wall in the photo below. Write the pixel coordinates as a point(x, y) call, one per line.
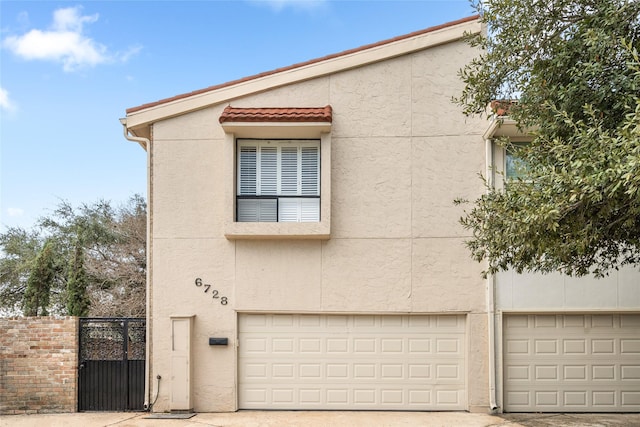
point(38, 365)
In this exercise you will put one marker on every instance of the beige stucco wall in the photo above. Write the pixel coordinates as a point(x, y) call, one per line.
point(400, 153)
point(620, 290)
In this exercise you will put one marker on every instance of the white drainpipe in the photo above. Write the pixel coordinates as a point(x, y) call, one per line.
point(492, 341)
point(491, 296)
point(146, 144)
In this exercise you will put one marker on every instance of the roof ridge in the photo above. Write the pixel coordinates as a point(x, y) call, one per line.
point(302, 64)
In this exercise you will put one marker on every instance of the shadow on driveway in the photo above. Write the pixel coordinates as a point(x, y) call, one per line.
point(573, 420)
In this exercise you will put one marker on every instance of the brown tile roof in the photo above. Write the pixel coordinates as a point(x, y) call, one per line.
point(501, 107)
point(302, 64)
point(231, 114)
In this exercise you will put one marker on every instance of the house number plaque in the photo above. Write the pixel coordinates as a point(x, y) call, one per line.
point(214, 292)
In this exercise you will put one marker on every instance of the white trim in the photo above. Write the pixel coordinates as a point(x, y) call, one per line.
point(505, 126)
point(277, 230)
point(355, 313)
point(286, 130)
point(274, 169)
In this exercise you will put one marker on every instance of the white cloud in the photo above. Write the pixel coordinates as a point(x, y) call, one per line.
point(64, 42)
point(6, 104)
point(15, 212)
point(69, 19)
point(132, 51)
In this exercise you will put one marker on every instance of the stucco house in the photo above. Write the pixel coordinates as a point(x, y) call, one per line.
point(562, 344)
point(305, 251)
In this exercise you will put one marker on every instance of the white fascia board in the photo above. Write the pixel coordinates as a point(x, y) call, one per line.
point(305, 72)
point(276, 129)
point(505, 127)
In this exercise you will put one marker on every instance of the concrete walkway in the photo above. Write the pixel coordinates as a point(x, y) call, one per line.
point(321, 419)
point(261, 419)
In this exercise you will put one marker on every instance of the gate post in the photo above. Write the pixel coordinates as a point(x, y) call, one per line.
point(181, 329)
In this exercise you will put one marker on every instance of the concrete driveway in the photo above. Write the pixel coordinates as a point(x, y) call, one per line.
point(572, 420)
point(320, 419)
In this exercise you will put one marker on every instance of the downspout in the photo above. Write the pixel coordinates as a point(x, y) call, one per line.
point(492, 349)
point(146, 144)
point(491, 295)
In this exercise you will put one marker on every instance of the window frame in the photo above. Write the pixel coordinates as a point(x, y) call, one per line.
point(520, 174)
point(281, 193)
point(234, 230)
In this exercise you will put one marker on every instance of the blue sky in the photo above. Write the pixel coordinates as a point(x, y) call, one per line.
point(69, 70)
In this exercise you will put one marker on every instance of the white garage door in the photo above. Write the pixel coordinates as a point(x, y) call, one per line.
point(291, 361)
point(572, 363)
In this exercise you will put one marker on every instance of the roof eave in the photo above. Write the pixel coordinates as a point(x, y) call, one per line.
point(504, 126)
point(145, 115)
point(272, 129)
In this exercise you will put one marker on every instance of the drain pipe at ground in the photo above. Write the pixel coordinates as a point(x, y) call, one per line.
point(145, 143)
point(492, 350)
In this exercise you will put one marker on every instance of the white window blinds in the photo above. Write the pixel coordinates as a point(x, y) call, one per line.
point(278, 180)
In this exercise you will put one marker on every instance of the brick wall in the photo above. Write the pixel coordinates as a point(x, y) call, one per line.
point(38, 365)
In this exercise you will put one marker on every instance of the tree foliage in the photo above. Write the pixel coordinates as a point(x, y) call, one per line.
point(77, 299)
point(573, 67)
point(97, 246)
point(19, 249)
point(41, 278)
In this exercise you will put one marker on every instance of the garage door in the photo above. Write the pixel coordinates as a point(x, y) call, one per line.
point(291, 361)
point(572, 363)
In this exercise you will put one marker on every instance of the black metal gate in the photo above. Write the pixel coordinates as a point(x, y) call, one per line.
point(111, 369)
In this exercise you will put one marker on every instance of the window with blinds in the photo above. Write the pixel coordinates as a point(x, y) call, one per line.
point(278, 180)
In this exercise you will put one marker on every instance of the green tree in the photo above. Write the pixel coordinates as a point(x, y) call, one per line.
point(573, 69)
point(19, 249)
point(41, 278)
point(112, 240)
point(77, 298)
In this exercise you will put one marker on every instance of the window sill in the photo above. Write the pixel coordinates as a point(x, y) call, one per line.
point(278, 230)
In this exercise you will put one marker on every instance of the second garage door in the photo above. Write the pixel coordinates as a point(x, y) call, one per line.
point(296, 361)
point(572, 363)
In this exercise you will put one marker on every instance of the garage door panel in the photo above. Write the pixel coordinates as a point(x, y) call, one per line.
point(576, 399)
point(630, 372)
point(630, 346)
point(630, 320)
point(550, 400)
point(321, 371)
point(522, 375)
point(631, 399)
point(340, 396)
point(351, 362)
point(364, 346)
point(572, 362)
